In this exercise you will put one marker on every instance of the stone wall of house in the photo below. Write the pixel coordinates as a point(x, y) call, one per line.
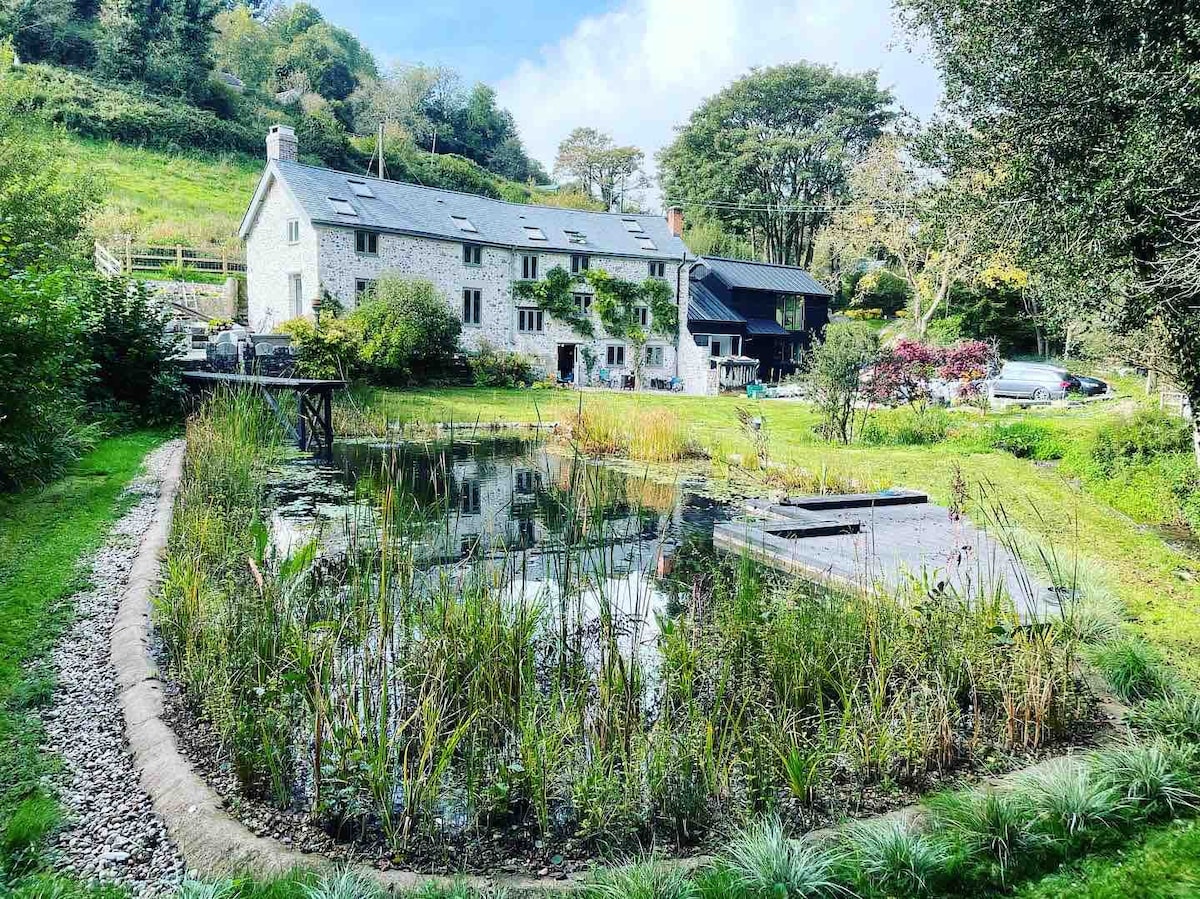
point(271, 259)
point(441, 262)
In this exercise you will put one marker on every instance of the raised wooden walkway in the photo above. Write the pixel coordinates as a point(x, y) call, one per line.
point(313, 428)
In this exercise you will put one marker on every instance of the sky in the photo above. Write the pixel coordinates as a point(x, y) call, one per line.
point(633, 68)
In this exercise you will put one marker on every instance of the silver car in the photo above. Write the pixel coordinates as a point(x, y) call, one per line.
point(1030, 380)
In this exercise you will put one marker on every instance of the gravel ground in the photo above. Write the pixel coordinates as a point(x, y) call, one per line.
point(112, 833)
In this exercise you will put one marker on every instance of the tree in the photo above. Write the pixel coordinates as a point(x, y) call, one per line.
point(931, 231)
point(245, 46)
point(1090, 111)
point(768, 154)
point(622, 305)
point(408, 333)
point(123, 39)
point(602, 169)
point(835, 369)
point(179, 58)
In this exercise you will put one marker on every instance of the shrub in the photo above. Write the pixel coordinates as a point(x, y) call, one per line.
point(1023, 439)
point(1141, 438)
point(492, 367)
point(765, 863)
point(905, 427)
point(835, 368)
point(408, 333)
point(1132, 667)
point(130, 349)
point(332, 350)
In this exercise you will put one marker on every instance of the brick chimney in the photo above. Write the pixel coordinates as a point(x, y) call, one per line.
point(675, 221)
point(282, 144)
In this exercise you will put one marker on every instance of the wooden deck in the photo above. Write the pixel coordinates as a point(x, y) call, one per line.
point(313, 427)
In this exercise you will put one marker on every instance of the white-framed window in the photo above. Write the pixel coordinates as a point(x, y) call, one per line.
point(366, 243)
point(293, 231)
point(643, 315)
point(296, 293)
point(472, 254)
point(658, 269)
point(724, 345)
point(530, 321)
point(614, 354)
point(580, 263)
point(472, 307)
point(363, 288)
point(583, 302)
point(654, 356)
point(529, 267)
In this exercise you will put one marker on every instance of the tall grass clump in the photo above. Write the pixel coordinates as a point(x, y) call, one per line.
point(765, 862)
point(647, 435)
point(649, 878)
point(898, 858)
point(1133, 668)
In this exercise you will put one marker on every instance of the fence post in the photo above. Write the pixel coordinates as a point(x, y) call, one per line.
point(179, 255)
point(225, 261)
point(128, 254)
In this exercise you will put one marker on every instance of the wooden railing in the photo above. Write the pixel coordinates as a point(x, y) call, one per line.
point(130, 258)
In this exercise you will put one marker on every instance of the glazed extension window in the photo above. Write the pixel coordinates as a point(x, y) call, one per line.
point(530, 321)
point(472, 309)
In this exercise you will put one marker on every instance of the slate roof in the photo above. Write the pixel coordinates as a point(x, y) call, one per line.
point(704, 306)
point(765, 276)
point(765, 327)
point(405, 208)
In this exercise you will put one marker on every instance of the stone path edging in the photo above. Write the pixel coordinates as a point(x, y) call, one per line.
point(212, 842)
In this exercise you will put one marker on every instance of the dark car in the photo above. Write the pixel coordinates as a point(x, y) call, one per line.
point(1086, 386)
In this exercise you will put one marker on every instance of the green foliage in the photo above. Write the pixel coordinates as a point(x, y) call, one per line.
point(130, 347)
point(333, 350)
point(998, 830)
point(769, 139)
point(1133, 668)
point(649, 878)
point(492, 367)
point(1174, 717)
point(27, 827)
point(408, 333)
point(905, 427)
point(1148, 434)
point(898, 859)
point(618, 303)
point(1153, 777)
point(600, 168)
point(880, 289)
point(835, 367)
point(1071, 800)
point(1023, 439)
point(555, 294)
point(766, 863)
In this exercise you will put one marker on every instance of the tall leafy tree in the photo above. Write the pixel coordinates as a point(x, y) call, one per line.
point(602, 169)
point(1091, 113)
point(769, 153)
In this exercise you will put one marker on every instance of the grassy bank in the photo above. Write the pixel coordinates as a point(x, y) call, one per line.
point(43, 536)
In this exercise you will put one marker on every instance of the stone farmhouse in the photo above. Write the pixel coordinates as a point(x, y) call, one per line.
point(312, 232)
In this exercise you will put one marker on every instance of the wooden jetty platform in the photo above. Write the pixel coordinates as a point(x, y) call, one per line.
point(312, 428)
point(862, 541)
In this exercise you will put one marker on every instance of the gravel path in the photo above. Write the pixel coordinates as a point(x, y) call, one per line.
point(112, 833)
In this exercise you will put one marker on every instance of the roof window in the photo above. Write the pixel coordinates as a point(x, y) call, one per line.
point(575, 236)
point(646, 243)
point(342, 207)
point(464, 224)
point(361, 189)
point(633, 226)
point(534, 233)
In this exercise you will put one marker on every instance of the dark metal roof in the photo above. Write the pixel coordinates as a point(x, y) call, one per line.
point(413, 209)
point(765, 276)
point(765, 327)
point(703, 306)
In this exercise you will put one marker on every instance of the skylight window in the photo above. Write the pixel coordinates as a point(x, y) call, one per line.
point(646, 243)
point(534, 233)
point(464, 224)
point(342, 207)
point(633, 226)
point(575, 236)
point(361, 189)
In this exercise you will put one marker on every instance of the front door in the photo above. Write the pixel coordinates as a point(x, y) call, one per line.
point(566, 362)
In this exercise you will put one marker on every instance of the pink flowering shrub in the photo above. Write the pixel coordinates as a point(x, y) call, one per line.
point(904, 372)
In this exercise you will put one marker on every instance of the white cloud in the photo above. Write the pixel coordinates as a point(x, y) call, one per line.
point(639, 70)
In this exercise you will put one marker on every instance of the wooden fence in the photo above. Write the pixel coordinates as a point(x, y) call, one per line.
point(130, 258)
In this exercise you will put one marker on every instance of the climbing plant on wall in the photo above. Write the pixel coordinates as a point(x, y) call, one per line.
point(555, 295)
point(620, 305)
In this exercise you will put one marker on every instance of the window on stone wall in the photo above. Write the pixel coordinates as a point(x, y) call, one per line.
point(293, 231)
point(615, 354)
point(363, 288)
point(472, 254)
point(472, 308)
point(529, 267)
point(583, 302)
point(654, 356)
point(658, 269)
point(366, 243)
point(296, 294)
point(530, 321)
point(579, 263)
point(643, 315)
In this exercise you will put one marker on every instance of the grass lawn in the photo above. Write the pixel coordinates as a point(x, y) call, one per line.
point(167, 198)
point(43, 535)
point(1166, 865)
